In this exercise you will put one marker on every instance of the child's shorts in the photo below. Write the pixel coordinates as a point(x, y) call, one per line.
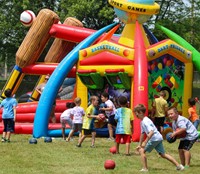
point(9, 125)
point(186, 144)
point(88, 131)
point(64, 122)
point(77, 127)
point(157, 145)
point(111, 120)
point(124, 137)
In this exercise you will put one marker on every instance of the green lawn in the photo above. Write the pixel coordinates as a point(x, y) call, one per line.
point(60, 157)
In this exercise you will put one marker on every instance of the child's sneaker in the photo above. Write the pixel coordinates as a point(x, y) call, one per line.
point(78, 145)
point(144, 170)
point(8, 140)
point(111, 139)
point(180, 167)
point(93, 146)
point(3, 139)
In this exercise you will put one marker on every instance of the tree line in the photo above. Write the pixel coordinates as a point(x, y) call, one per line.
point(180, 16)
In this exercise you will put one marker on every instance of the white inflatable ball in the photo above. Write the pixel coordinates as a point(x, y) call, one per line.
point(27, 17)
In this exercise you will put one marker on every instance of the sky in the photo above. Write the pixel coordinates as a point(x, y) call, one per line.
point(186, 2)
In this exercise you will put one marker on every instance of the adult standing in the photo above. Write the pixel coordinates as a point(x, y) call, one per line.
point(40, 89)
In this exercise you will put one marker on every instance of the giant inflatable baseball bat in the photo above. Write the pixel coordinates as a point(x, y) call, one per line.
point(58, 50)
point(31, 47)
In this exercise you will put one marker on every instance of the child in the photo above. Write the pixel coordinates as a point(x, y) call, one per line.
point(77, 112)
point(159, 111)
point(124, 119)
point(9, 114)
point(187, 142)
point(110, 113)
point(88, 121)
point(66, 118)
point(153, 139)
point(193, 116)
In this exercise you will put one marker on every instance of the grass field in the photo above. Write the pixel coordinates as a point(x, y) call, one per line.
point(60, 157)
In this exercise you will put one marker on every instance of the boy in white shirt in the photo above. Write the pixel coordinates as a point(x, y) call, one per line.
point(153, 139)
point(185, 126)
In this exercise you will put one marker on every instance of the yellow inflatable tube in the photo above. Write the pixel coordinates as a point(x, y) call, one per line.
point(107, 46)
point(135, 8)
point(169, 47)
point(14, 81)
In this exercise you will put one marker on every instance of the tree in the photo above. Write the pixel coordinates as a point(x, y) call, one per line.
point(12, 32)
point(94, 14)
point(180, 16)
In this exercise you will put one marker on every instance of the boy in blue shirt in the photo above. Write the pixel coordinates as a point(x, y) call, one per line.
point(124, 119)
point(9, 113)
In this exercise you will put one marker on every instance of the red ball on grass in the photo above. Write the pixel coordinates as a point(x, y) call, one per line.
point(113, 150)
point(109, 164)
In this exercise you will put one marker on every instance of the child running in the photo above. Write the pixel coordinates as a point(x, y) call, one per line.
point(78, 113)
point(153, 140)
point(124, 119)
point(66, 117)
point(88, 121)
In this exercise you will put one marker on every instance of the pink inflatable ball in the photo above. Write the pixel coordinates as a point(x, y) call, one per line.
point(109, 164)
point(165, 60)
point(113, 150)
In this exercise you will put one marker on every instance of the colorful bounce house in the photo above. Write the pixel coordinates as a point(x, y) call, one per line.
point(133, 63)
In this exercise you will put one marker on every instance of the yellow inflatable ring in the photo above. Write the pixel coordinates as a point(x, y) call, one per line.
point(135, 8)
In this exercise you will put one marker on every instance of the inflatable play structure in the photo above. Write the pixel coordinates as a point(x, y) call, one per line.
point(133, 63)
